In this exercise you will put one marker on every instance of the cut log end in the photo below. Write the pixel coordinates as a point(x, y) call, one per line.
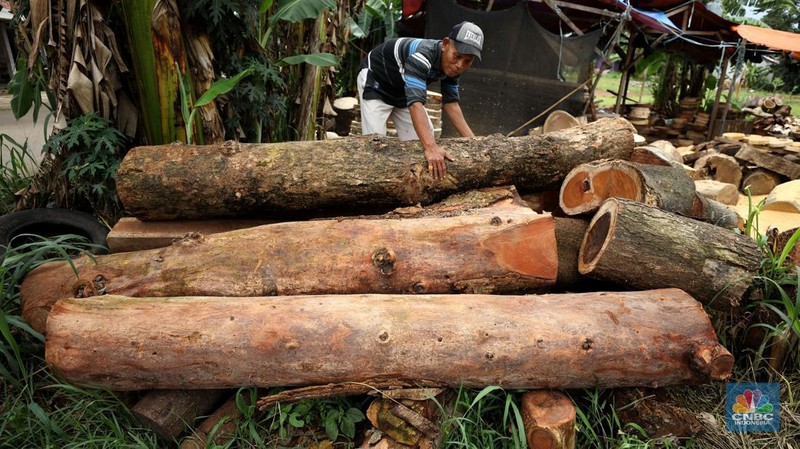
point(585, 189)
point(715, 361)
point(596, 239)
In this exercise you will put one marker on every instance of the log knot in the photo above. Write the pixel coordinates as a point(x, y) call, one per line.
point(384, 259)
point(230, 148)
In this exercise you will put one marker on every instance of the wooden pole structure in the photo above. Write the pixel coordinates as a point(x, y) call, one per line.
point(625, 78)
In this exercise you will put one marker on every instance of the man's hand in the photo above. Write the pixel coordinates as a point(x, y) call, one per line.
point(436, 156)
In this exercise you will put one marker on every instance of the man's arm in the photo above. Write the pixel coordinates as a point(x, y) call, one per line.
point(435, 154)
point(453, 110)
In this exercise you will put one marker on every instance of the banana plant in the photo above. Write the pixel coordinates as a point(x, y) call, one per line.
point(220, 87)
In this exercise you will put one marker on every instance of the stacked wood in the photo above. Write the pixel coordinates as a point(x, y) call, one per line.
point(367, 173)
point(641, 246)
point(406, 418)
point(589, 340)
point(506, 248)
point(785, 197)
point(769, 161)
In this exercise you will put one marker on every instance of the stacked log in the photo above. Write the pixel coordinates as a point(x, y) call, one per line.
point(427, 295)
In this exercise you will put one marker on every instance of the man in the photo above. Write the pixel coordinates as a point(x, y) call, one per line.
point(393, 81)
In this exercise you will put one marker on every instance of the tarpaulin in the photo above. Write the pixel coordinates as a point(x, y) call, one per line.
point(779, 40)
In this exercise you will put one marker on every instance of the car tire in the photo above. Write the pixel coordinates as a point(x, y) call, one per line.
point(52, 222)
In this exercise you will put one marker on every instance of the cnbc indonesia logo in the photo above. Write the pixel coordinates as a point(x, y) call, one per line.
point(753, 407)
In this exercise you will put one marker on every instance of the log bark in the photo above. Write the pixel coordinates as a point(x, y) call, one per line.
point(716, 213)
point(169, 413)
point(761, 181)
point(501, 249)
point(366, 173)
point(590, 340)
point(644, 247)
point(569, 236)
point(588, 185)
point(549, 418)
point(771, 162)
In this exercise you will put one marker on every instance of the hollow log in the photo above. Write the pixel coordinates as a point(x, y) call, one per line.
point(549, 418)
point(569, 236)
point(588, 185)
point(588, 340)
point(359, 173)
point(644, 247)
point(505, 248)
point(170, 412)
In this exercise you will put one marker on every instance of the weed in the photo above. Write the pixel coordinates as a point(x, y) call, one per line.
point(17, 167)
point(86, 155)
point(489, 418)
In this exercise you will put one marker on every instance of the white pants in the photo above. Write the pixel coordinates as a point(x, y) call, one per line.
point(375, 113)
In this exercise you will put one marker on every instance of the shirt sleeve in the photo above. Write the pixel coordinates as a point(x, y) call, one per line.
point(415, 73)
point(450, 90)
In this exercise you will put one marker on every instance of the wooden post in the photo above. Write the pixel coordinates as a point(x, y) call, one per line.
point(623, 80)
point(720, 84)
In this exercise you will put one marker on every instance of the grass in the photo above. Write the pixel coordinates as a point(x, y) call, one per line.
point(640, 92)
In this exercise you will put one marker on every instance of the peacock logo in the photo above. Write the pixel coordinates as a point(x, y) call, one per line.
point(752, 401)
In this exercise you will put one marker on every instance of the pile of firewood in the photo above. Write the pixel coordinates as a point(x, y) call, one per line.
point(773, 117)
point(430, 291)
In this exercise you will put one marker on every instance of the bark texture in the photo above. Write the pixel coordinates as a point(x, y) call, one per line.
point(644, 247)
point(590, 340)
point(169, 413)
point(501, 249)
point(588, 185)
point(365, 173)
point(549, 418)
point(769, 161)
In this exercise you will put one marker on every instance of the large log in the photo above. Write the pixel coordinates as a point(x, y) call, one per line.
point(505, 248)
point(669, 188)
point(644, 247)
point(361, 173)
point(588, 185)
point(589, 340)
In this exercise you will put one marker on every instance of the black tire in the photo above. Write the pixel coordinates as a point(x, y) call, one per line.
point(53, 222)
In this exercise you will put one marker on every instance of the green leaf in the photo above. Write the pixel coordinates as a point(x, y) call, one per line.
point(355, 414)
point(23, 92)
point(264, 6)
point(348, 427)
point(331, 427)
point(317, 59)
point(294, 420)
point(298, 10)
point(355, 30)
point(220, 87)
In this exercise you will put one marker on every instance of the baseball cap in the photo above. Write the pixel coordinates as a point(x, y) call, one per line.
point(468, 38)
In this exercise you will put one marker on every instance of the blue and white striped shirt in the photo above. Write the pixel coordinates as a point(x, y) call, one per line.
point(400, 71)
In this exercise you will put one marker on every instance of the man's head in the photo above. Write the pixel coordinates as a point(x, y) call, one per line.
point(461, 47)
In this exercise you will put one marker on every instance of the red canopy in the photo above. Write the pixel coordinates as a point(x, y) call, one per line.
point(779, 40)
